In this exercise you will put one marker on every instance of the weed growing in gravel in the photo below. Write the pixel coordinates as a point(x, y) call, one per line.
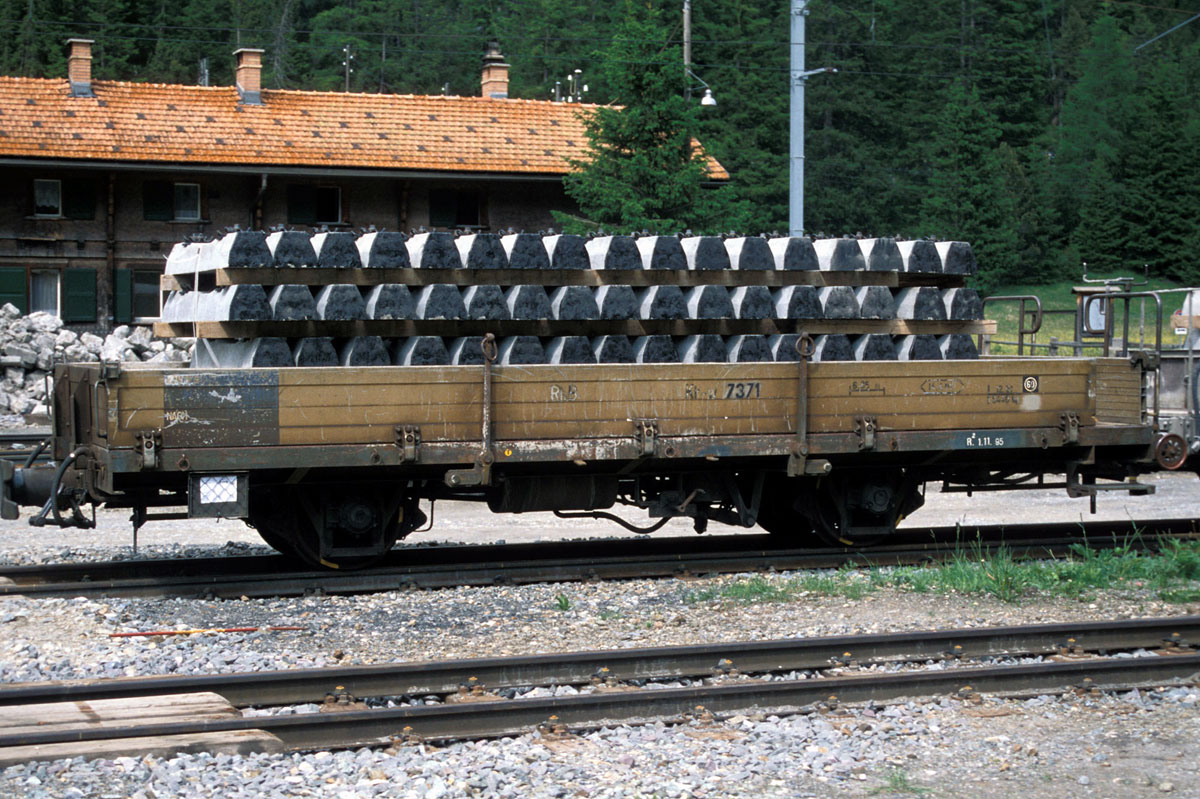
point(562, 602)
point(897, 781)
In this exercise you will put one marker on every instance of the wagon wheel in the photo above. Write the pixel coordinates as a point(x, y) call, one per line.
point(779, 512)
point(858, 510)
point(346, 530)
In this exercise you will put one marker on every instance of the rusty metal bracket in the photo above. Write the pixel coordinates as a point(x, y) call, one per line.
point(646, 431)
point(408, 441)
point(1069, 425)
point(149, 446)
point(798, 460)
point(481, 473)
point(865, 428)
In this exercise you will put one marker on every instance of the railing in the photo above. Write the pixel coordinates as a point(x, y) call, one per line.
point(1022, 330)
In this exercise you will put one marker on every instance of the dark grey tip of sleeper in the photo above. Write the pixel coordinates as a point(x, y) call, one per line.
point(655, 349)
point(922, 303)
point(708, 302)
point(920, 256)
point(467, 351)
point(919, 348)
point(832, 347)
point(573, 303)
point(613, 252)
point(485, 301)
point(705, 252)
point(613, 349)
point(874, 347)
point(748, 349)
point(661, 302)
point(794, 253)
point(875, 302)
point(240, 303)
point(271, 352)
point(517, 350)
point(751, 253)
point(661, 252)
point(839, 302)
point(882, 255)
point(962, 304)
point(363, 351)
point(340, 301)
point(570, 349)
point(390, 301)
point(248, 248)
point(705, 348)
point(525, 251)
point(798, 302)
point(481, 251)
point(957, 257)
point(783, 347)
point(752, 302)
point(291, 248)
point(567, 251)
point(337, 250)
point(420, 351)
point(617, 302)
point(439, 301)
point(292, 303)
point(958, 347)
point(528, 302)
point(839, 255)
point(316, 351)
point(383, 249)
point(433, 251)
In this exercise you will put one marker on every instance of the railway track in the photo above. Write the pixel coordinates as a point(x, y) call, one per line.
point(439, 567)
point(18, 445)
point(726, 678)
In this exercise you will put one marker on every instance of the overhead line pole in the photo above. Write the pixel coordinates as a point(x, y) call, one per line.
point(796, 132)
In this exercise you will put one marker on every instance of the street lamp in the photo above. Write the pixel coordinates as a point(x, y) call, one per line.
point(708, 98)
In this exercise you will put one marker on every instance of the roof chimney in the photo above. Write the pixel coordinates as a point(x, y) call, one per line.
point(249, 75)
point(495, 73)
point(79, 67)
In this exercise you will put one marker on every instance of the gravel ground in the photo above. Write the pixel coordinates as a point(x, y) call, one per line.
point(1107, 746)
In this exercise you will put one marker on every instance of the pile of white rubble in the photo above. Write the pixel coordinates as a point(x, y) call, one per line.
point(31, 345)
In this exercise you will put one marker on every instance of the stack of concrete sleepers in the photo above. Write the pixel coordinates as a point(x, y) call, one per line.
point(385, 298)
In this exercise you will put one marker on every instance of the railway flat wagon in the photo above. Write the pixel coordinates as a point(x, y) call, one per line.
point(811, 396)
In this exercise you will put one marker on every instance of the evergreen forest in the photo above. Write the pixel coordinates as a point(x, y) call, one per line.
point(1047, 132)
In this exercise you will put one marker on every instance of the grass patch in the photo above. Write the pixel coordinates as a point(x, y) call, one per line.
point(897, 781)
point(562, 602)
point(973, 570)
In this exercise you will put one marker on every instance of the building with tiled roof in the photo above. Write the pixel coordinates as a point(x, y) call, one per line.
point(107, 175)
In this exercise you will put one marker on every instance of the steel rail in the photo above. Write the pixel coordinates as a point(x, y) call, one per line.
point(296, 686)
point(440, 567)
point(587, 711)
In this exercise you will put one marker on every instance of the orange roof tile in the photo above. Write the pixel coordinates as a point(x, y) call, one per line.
point(156, 123)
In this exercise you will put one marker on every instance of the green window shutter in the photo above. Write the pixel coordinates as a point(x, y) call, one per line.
point(79, 199)
point(79, 295)
point(301, 205)
point(158, 200)
point(122, 296)
point(13, 287)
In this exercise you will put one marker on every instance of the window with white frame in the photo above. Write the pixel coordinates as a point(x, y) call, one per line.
point(47, 198)
point(43, 290)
